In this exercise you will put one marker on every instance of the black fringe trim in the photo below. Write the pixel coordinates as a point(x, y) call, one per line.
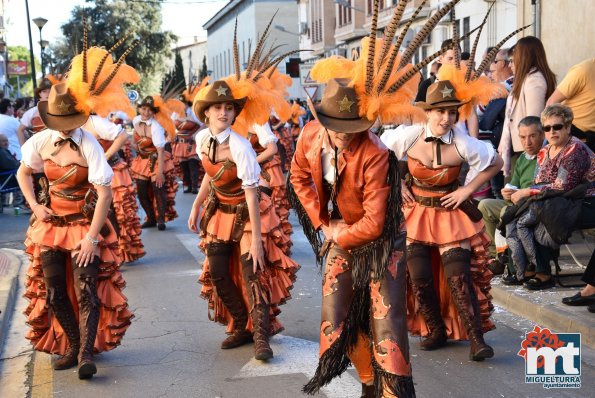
point(400, 386)
point(313, 236)
point(335, 360)
point(371, 260)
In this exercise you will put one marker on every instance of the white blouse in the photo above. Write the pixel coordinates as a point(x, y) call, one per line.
point(265, 134)
point(241, 152)
point(157, 132)
point(479, 155)
point(100, 172)
point(105, 129)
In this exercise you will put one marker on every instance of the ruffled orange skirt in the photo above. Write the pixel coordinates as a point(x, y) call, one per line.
point(45, 332)
point(277, 279)
point(435, 227)
point(279, 196)
point(125, 206)
point(182, 151)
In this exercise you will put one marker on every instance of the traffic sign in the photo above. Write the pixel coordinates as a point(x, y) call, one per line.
point(305, 77)
point(132, 96)
point(311, 91)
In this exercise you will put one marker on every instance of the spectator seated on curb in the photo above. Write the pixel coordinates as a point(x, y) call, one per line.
point(8, 167)
point(587, 295)
point(531, 136)
point(548, 211)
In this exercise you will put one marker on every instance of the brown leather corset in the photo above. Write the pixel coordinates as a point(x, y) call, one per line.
point(186, 128)
point(68, 186)
point(105, 144)
point(224, 181)
point(37, 124)
point(442, 179)
point(253, 138)
point(145, 145)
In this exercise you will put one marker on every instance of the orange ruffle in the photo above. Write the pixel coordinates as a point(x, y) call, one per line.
point(140, 168)
point(480, 276)
point(279, 196)
point(126, 208)
point(277, 280)
point(437, 226)
point(45, 332)
point(182, 151)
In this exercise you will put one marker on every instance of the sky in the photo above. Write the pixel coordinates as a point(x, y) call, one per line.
point(183, 17)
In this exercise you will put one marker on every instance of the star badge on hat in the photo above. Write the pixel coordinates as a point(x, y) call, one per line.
point(64, 108)
point(221, 91)
point(446, 92)
point(345, 104)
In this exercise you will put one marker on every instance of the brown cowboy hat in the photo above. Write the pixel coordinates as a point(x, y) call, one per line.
point(59, 112)
point(440, 94)
point(339, 108)
point(44, 84)
point(148, 101)
point(217, 93)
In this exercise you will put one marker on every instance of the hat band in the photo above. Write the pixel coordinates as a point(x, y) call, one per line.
point(341, 118)
point(443, 101)
point(63, 115)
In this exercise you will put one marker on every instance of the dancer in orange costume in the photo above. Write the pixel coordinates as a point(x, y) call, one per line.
point(153, 167)
point(72, 245)
point(264, 143)
point(123, 214)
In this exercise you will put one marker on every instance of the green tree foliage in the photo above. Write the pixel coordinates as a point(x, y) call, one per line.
point(110, 20)
point(21, 53)
point(203, 70)
point(174, 79)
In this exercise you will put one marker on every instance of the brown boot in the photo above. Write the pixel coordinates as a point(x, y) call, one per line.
point(53, 262)
point(259, 311)
point(85, 283)
point(219, 255)
point(466, 300)
point(426, 298)
point(261, 324)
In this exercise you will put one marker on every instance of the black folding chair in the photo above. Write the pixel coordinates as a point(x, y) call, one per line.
point(8, 184)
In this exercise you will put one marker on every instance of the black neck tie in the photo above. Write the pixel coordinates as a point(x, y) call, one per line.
point(438, 152)
point(60, 144)
point(212, 150)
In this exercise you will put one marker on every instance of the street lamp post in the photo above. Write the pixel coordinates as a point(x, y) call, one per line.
point(31, 47)
point(43, 44)
point(40, 22)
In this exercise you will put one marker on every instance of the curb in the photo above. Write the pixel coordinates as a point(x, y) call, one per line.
point(9, 280)
point(550, 316)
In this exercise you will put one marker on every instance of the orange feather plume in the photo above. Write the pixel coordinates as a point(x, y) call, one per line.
point(113, 97)
point(281, 82)
point(394, 107)
point(191, 91)
point(55, 79)
point(163, 117)
point(296, 112)
point(479, 91)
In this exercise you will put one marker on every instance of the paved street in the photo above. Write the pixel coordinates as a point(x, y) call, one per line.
point(172, 349)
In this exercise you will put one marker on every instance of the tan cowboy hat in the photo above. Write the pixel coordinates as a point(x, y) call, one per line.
point(59, 112)
point(149, 101)
point(339, 108)
point(217, 93)
point(440, 94)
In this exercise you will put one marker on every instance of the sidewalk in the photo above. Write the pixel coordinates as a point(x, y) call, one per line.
point(12, 235)
point(545, 307)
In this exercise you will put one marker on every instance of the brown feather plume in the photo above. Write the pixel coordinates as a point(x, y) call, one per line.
point(107, 81)
point(102, 62)
point(254, 59)
point(411, 72)
point(455, 38)
point(391, 30)
point(424, 32)
point(475, 42)
point(393, 56)
point(407, 26)
point(236, 55)
point(496, 48)
point(85, 46)
point(372, 49)
point(273, 64)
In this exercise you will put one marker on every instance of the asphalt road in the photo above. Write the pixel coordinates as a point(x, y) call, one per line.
point(172, 349)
